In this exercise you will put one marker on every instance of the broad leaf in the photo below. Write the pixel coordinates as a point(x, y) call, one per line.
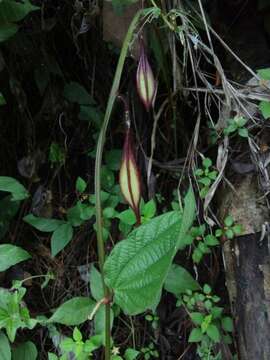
point(138, 266)
point(188, 216)
point(196, 335)
point(7, 30)
point(11, 255)
point(264, 106)
point(73, 312)
point(43, 224)
point(99, 321)
point(13, 186)
point(179, 280)
point(96, 284)
point(131, 354)
point(74, 92)
point(12, 11)
point(61, 237)
point(5, 353)
point(264, 73)
point(25, 351)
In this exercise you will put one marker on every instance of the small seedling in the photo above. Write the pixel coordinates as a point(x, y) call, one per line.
point(153, 319)
point(237, 125)
point(149, 352)
point(211, 326)
point(202, 243)
point(205, 176)
point(229, 230)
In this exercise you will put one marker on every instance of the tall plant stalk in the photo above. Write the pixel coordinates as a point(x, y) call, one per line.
point(98, 164)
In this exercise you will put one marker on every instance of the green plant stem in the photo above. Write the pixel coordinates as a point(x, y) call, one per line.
point(100, 146)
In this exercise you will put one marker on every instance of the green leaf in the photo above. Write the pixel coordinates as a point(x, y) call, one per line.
point(5, 353)
point(67, 345)
point(13, 186)
point(264, 106)
point(77, 335)
point(229, 221)
point(127, 217)
point(149, 209)
point(99, 321)
point(76, 93)
point(25, 351)
point(109, 213)
point(230, 129)
point(107, 178)
point(197, 318)
point(2, 99)
point(138, 266)
point(211, 240)
point(131, 354)
point(93, 343)
point(243, 132)
point(207, 162)
point(187, 218)
point(52, 356)
point(197, 255)
point(7, 31)
point(229, 234)
point(227, 324)
point(207, 289)
point(240, 121)
point(213, 332)
point(237, 229)
point(203, 248)
point(205, 181)
point(264, 73)
point(179, 280)
point(96, 284)
point(12, 11)
point(113, 159)
point(216, 312)
point(195, 336)
point(61, 237)
point(73, 312)
point(80, 185)
point(91, 114)
point(206, 322)
point(43, 224)
point(74, 215)
point(56, 154)
point(11, 255)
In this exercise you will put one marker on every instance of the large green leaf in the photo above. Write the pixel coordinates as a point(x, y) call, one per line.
point(13, 186)
point(137, 266)
point(43, 224)
point(179, 280)
point(74, 92)
point(11, 255)
point(13, 11)
point(188, 217)
point(5, 353)
point(73, 312)
point(25, 351)
point(61, 237)
point(7, 30)
point(96, 285)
